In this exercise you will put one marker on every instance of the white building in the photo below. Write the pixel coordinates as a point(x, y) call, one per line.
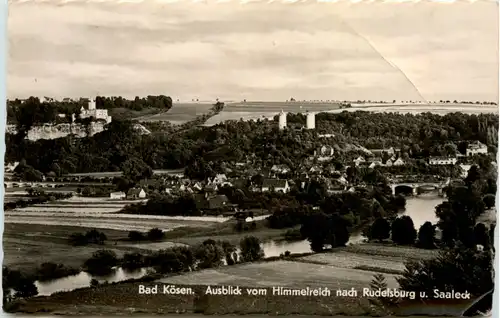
point(276, 185)
point(117, 195)
point(92, 111)
point(282, 120)
point(398, 162)
point(436, 161)
point(476, 148)
point(311, 121)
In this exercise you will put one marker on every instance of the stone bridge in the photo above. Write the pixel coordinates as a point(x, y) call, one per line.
point(424, 186)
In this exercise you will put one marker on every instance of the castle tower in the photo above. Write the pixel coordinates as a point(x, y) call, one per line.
point(91, 105)
point(311, 121)
point(282, 120)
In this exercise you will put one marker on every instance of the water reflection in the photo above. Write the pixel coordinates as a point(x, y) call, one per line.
point(83, 280)
point(420, 209)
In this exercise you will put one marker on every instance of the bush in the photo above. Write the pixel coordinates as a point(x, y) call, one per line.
point(380, 230)
point(49, 271)
point(133, 261)
point(155, 234)
point(403, 231)
point(136, 236)
point(95, 237)
point(101, 262)
point(489, 200)
point(251, 249)
point(78, 239)
point(427, 236)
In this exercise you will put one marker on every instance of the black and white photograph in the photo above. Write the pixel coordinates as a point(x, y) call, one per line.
point(238, 158)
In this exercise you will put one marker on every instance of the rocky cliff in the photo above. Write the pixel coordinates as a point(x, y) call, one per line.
point(49, 131)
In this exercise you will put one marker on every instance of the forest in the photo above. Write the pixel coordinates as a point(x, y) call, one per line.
point(208, 148)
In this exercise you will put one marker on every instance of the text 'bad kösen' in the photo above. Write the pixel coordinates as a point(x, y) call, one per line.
point(283, 291)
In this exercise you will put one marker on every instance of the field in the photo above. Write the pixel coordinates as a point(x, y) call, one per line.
point(281, 273)
point(304, 272)
point(352, 266)
point(26, 246)
point(179, 113)
point(98, 213)
point(125, 113)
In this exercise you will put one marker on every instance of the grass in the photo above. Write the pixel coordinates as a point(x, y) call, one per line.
point(280, 273)
point(27, 246)
point(125, 113)
point(124, 299)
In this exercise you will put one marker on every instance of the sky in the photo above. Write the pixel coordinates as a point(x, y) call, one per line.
point(254, 51)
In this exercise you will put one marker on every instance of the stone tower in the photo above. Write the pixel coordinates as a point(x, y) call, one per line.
point(91, 105)
point(311, 121)
point(282, 120)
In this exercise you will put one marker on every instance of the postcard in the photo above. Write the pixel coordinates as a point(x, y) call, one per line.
point(250, 158)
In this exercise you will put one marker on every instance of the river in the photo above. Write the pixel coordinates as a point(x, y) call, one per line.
point(420, 209)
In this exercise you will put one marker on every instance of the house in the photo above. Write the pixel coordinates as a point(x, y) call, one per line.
point(389, 163)
point(476, 148)
point(211, 188)
point(278, 185)
point(380, 152)
point(315, 169)
point(398, 162)
point(117, 195)
point(197, 186)
point(324, 151)
point(10, 167)
point(280, 169)
point(219, 179)
point(436, 161)
point(374, 162)
point(136, 193)
point(359, 160)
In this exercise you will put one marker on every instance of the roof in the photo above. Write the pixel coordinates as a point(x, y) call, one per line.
point(134, 191)
point(276, 183)
point(476, 145)
point(441, 158)
point(374, 159)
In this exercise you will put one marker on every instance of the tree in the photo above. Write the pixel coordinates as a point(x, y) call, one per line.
point(380, 229)
point(427, 235)
point(403, 231)
point(320, 229)
point(489, 200)
point(95, 237)
point(132, 261)
point(26, 288)
point(135, 236)
point(456, 269)
point(155, 234)
point(378, 282)
point(481, 236)
point(250, 249)
point(209, 255)
point(101, 262)
point(135, 169)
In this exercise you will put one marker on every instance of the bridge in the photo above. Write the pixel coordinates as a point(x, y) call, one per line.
point(416, 187)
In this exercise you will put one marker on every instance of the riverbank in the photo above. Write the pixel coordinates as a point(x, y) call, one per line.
point(318, 270)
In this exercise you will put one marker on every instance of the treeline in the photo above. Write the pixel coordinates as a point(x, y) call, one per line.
point(38, 197)
point(34, 111)
point(418, 136)
point(208, 254)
